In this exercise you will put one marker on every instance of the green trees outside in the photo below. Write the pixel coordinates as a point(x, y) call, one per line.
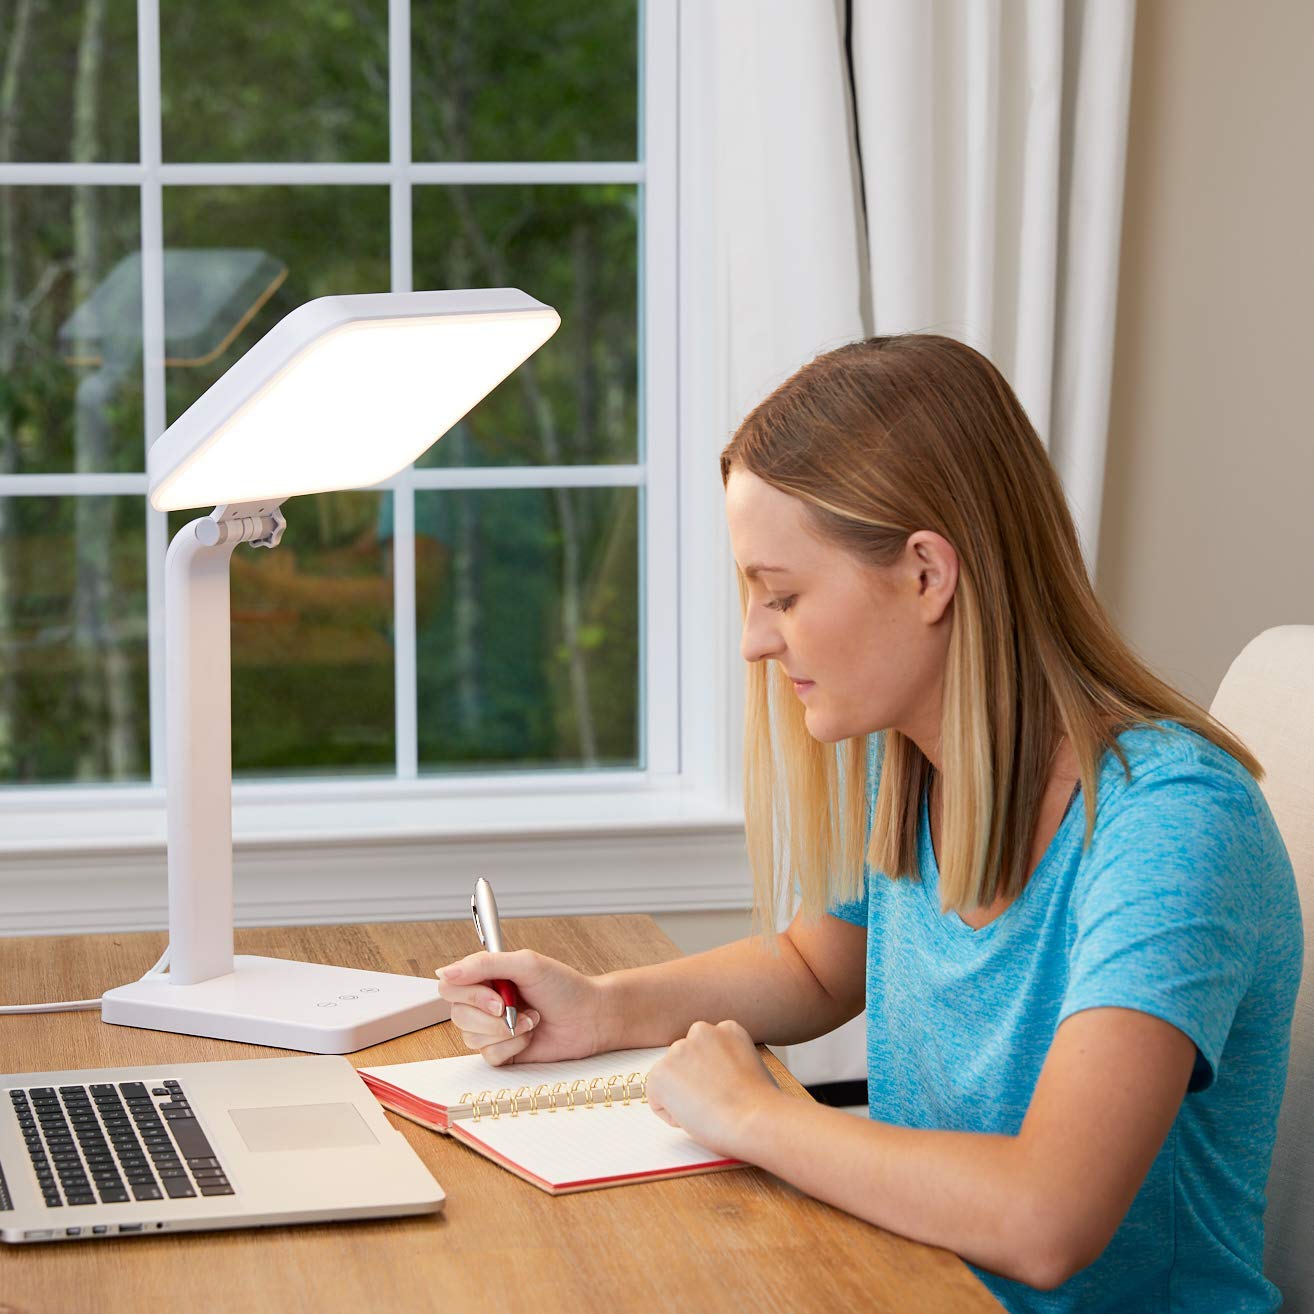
point(527, 599)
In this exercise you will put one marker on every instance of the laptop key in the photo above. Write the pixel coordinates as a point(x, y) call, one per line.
point(150, 1192)
point(191, 1139)
point(216, 1188)
point(114, 1194)
point(178, 1188)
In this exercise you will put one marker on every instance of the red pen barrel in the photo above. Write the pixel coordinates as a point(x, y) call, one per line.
point(510, 995)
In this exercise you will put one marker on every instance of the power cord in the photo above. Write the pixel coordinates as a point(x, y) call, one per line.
point(76, 1005)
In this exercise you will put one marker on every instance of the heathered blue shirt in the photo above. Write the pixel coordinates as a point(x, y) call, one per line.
point(1184, 907)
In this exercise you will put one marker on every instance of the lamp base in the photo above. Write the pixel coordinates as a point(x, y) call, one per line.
point(284, 1003)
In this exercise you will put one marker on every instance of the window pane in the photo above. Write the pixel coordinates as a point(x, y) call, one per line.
point(70, 330)
point(527, 628)
point(239, 259)
point(298, 80)
point(575, 401)
point(312, 640)
point(73, 671)
point(70, 82)
point(524, 80)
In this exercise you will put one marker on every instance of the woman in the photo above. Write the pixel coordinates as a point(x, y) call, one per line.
point(1076, 931)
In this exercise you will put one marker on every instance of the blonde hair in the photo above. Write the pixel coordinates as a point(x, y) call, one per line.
point(881, 438)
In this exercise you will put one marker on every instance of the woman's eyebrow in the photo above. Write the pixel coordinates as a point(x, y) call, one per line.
point(757, 569)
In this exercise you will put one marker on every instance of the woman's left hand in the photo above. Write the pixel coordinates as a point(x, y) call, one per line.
point(713, 1086)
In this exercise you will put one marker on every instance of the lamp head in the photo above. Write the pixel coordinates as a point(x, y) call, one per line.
point(342, 393)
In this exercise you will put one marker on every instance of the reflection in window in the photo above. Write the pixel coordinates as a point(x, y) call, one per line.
point(275, 248)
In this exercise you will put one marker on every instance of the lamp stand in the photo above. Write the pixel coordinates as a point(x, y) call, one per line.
point(209, 991)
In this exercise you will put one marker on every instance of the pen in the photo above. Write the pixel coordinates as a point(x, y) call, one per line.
point(483, 908)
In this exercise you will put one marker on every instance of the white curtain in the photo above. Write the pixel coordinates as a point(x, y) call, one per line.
point(993, 137)
point(967, 181)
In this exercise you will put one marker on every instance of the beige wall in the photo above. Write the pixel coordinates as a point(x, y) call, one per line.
point(1207, 535)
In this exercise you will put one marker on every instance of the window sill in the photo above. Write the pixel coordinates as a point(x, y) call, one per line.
point(78, 860)
point(117, 818)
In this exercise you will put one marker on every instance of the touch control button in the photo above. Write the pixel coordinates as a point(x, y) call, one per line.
point(330, 1004)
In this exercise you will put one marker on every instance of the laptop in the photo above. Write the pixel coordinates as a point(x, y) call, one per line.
point(186, 1147)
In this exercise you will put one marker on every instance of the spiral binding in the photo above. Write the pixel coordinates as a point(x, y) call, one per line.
point(596, 1092)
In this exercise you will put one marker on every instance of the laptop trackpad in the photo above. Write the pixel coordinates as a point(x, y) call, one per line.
point(302, 1127)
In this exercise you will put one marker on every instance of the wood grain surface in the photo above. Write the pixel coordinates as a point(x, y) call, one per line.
point(732, 1241)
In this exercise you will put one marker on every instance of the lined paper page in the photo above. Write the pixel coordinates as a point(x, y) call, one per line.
point(444, 1081)
point(584, 1144)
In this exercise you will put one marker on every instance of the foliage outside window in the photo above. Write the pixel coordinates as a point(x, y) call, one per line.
point(526, 603)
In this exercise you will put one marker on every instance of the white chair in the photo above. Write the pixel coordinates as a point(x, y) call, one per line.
point(1267, 700)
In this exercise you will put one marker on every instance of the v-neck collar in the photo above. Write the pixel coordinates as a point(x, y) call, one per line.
point(950, 922)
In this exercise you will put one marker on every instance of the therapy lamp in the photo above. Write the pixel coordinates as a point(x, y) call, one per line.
point(342, 393)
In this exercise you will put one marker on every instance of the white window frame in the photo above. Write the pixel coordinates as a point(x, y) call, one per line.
point(688, 790)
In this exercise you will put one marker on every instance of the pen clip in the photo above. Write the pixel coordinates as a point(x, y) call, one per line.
point(479, 930)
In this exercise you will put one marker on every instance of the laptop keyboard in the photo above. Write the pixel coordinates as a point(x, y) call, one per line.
point(107, 1143)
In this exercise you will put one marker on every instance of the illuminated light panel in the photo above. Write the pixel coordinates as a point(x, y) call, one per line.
point(343, 393)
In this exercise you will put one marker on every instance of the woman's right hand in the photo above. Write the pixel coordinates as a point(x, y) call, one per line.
point(562, 1015)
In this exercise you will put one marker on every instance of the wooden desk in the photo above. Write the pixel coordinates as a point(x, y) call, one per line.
point(741, 1240)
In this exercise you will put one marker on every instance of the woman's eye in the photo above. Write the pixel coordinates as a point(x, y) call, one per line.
point(783, 604)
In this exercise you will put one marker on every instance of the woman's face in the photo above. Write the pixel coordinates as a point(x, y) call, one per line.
point(865, 645)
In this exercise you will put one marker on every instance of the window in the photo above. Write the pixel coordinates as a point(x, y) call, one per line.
point(501, 620)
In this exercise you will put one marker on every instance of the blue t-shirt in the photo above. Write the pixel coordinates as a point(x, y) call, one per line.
point(1184, 907)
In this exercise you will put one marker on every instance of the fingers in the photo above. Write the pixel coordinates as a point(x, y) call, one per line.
point(499, 1052)
point(480, 997)
point(486, 966)
point(479, 1028)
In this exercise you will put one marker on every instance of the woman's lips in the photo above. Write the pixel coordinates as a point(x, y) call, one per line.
point(802, 686)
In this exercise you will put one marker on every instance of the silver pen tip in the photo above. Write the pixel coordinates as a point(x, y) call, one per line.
point(510, 1015)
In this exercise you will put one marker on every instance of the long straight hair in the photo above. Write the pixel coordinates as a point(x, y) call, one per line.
point(881, 438)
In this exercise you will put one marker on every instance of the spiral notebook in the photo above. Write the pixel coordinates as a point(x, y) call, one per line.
point(575, 1125)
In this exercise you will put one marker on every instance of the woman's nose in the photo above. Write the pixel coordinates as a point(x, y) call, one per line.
point(759, 638)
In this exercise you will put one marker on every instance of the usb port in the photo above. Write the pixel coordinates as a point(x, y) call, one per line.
point(131, 1227)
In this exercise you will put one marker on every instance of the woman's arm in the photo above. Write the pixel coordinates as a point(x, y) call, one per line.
point(1036, 1207)
point(815, 983)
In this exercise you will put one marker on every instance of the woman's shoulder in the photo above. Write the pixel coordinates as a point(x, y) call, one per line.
point(1173, 792)
point(1155, 754)
point(1182, 800)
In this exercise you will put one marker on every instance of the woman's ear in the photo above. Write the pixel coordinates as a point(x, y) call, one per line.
point(936, 566)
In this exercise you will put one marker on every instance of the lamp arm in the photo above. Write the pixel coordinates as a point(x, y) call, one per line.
point(198, 718)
